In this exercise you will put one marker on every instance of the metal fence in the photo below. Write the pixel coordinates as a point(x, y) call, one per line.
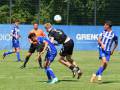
point(73, 12)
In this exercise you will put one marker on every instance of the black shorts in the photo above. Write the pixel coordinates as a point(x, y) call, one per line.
point(34, 47)
point(67, 48)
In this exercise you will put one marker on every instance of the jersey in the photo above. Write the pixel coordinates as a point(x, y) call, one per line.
point(15, 36)
point(15, 33)
point(38, 33)
point(107, 39)
point(51, 47)
point(38, 47)
point(58, 35)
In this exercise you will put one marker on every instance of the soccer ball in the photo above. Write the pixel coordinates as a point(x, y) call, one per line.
point(57, 18)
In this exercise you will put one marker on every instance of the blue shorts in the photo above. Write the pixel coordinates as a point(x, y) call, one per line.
point(103, 53)
point(15, 44)
point(50, 56)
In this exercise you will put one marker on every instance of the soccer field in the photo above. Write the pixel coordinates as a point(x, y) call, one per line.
point(33, 78)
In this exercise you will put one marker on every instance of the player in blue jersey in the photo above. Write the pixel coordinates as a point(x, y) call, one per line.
point(50, 55)
point(105, 42)
point(15, 41)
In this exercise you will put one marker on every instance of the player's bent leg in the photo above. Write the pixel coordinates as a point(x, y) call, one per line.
point(76, 70)
point(105, 56)
point(49, 72)
point(64, 62)
point(39, 49)
point(46, 65)
point(104, 62)
point(69, 59)
point(63, 53)
point(26, 59)
point(7, 53)
point(40, 61)
point(102, 68)
point(70, 66)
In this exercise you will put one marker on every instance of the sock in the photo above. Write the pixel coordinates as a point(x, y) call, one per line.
point(99, 71)
point(51, 72)
point(26, 60)
point(18, 56)
point(40, 61)
point(48, 74)
point(9, 52)
point(77, 68)
point(74, 69)
point(71, 67)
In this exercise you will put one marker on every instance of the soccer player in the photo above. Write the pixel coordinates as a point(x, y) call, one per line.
point(67, 49)
point(15, 41)
point(49, 58)
point(105, 41)
point(34, 46)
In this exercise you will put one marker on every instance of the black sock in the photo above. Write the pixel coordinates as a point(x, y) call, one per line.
point(71, 67)
point(78, 68)
point(26, 60)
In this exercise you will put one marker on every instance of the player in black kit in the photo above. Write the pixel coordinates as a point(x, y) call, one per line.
point(67, 49)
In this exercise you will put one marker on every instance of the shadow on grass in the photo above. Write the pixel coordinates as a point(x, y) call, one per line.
point(42, 81)
point(35, 68)
point(60, 81)
point(65, 80)
point(108, 82)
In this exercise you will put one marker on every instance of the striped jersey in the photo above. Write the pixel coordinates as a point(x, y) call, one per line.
point(15, 32)
point(107, 39)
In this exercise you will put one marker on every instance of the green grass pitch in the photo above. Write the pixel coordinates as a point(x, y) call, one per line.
point(33, 78)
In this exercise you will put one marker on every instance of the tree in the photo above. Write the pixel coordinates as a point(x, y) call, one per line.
point(23, 10)
point(80, 11)
point(4, 14)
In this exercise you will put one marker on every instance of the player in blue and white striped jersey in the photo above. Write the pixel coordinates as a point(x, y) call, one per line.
point(15, 41)
point(105, 41)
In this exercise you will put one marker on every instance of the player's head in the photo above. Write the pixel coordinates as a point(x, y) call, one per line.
point(35, 26)
point(47, 26)
point(107, 25)
point(32, 36)
point(17, 21)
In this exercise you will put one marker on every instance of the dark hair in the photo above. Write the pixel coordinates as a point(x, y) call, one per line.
point(109, 23)
point(17, 20)
point(31, 35)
